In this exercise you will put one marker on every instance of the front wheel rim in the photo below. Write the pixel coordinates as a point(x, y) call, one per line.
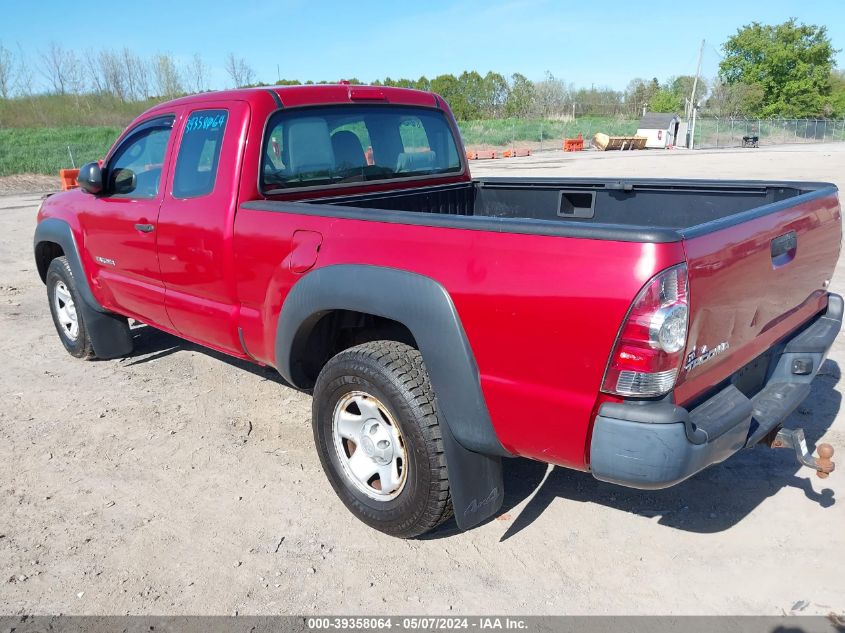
point(369, 446)
point(65, 311)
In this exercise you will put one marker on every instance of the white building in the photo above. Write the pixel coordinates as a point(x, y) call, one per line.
point(661, 129)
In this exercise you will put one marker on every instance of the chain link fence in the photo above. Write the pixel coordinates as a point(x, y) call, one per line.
point(710, 132)
point(715, 132)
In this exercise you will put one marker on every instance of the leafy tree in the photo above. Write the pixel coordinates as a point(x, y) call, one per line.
point(423, 83)
point(495, 90)
point(472, 85)
point(790, 62)
point(448, 87)
point(520, 96)
point(836, 104)
point(666, 100)
point(672, 96)
point(639, 94)
point(550, 96)
point(598, 101)
point(736, 99)
point(681, 87)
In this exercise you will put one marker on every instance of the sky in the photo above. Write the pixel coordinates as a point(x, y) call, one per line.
point(594, 43)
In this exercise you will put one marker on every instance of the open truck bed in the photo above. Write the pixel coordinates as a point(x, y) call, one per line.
point(644, 209)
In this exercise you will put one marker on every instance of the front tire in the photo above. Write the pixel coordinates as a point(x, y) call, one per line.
point(378, 436)
point(65, 304)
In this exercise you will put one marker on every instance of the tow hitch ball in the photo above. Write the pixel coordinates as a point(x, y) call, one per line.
point(794, 438)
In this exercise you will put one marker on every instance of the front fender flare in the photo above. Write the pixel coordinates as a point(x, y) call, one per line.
point(59, 232)
point(110, 334)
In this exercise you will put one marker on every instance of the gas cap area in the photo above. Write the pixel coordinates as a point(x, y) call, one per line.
point(305, 248)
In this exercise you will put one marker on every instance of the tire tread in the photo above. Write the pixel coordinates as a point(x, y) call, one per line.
point(406, 369)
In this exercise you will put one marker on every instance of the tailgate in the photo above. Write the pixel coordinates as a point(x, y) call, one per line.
point(753, 278)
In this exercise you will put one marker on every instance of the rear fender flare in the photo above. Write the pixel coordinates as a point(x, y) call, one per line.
point(473, 451)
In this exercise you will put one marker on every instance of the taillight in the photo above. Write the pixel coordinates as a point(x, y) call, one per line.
point(650, 346)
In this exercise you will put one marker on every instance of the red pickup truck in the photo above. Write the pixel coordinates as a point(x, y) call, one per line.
point(638, 329)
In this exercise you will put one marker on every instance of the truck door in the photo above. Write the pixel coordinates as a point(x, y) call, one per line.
point(119, 226)
point(196, 222)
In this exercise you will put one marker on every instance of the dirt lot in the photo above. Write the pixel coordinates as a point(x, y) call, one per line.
point(181, 482)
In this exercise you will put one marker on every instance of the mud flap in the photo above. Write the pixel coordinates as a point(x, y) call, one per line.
point(475, 481)
point(110, 335)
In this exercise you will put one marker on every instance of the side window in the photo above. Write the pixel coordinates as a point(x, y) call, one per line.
point(134, 170)
point(199, 153)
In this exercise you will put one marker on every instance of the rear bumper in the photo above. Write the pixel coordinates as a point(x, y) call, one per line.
point(658, 444)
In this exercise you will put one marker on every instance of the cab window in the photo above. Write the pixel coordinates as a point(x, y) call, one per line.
point(134, 170)
point(199, 153)
point(338, 144)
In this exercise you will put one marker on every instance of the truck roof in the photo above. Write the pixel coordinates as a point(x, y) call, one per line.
point(306, 95)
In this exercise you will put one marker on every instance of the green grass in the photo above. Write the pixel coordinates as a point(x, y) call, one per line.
point(503, 132)
point(35, 131)
point(67, 110)
point(45, 150)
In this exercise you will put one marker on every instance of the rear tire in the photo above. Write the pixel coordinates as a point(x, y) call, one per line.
point(65, 304)
point(378, 436)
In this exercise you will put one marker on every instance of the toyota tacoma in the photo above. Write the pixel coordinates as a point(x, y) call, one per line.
point(637, 329)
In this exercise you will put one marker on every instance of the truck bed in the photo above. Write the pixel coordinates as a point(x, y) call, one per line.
point(650, 210)
point(729, 230)
point(759, 257)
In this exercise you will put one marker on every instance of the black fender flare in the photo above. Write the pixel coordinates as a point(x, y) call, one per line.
point(59, 232)
point(473, 451)
point(110, 335)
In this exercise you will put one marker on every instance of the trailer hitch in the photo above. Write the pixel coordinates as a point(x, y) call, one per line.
point(794, 438)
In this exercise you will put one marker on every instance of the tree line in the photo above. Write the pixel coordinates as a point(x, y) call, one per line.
point(120, 73)
point(767, 70)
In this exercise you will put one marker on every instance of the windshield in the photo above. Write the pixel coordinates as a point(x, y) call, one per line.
point(326, 145)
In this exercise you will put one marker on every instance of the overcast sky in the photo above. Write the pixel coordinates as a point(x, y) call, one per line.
point(596, 42)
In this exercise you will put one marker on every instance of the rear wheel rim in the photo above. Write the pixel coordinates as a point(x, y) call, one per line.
point(65, 311)
point(369, 446)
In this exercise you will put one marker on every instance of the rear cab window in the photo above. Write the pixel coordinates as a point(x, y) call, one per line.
point(323, 146)
point(199, 153)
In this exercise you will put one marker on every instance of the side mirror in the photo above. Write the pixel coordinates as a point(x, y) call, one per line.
point(90, 178)
point(122, 181)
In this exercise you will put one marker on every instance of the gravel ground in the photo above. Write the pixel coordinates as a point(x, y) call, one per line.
point(28, 183)
point(178, 481)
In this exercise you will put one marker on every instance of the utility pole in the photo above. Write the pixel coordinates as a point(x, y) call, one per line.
point(690, 113)
point(692, 130)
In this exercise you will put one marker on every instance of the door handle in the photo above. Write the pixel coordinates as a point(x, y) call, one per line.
point(145, 228)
